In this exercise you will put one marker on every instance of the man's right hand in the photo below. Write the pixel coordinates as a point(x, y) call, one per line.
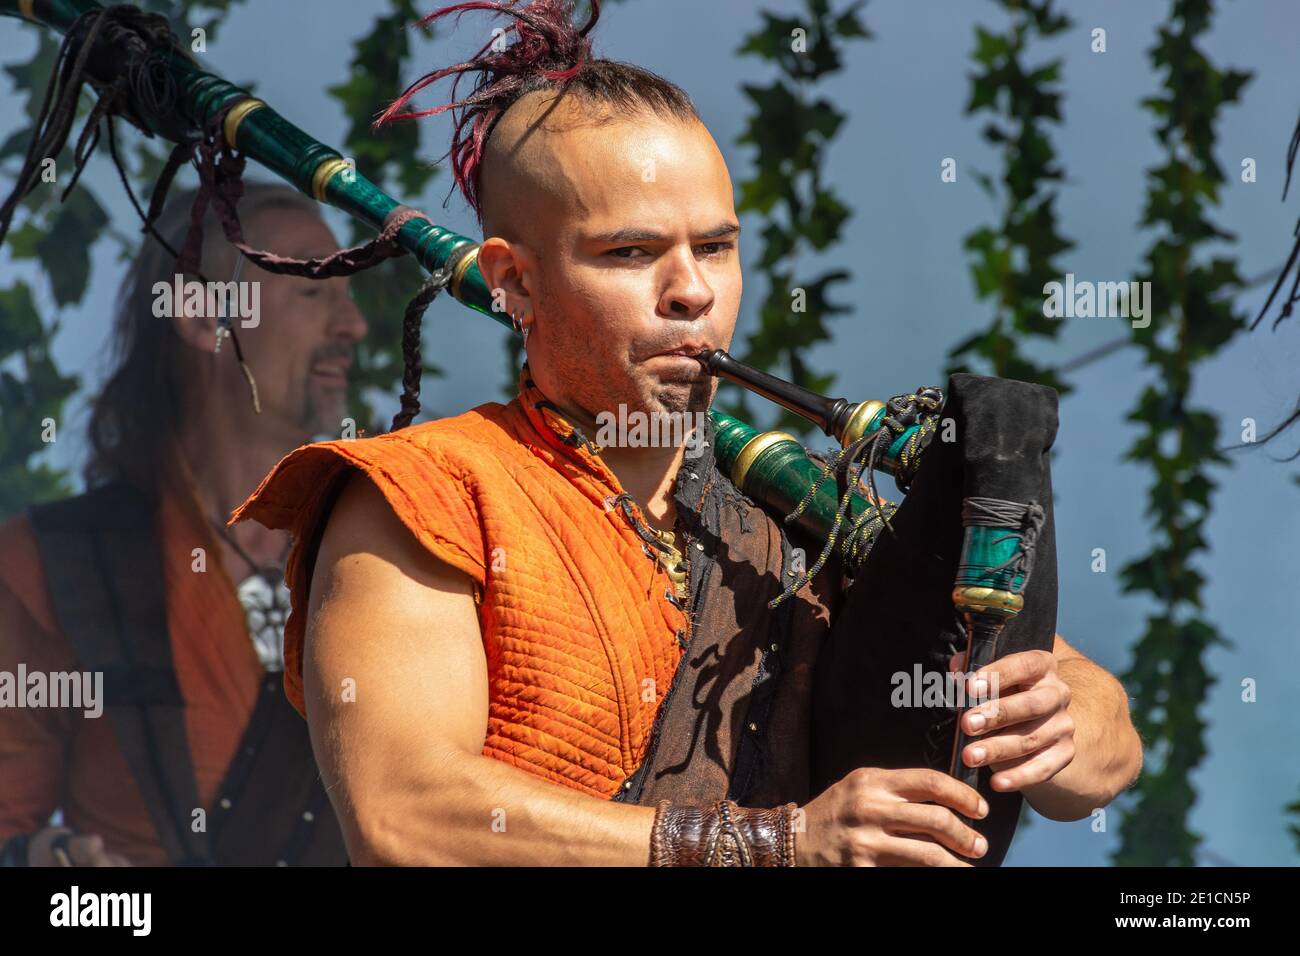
point(875, 817)
point(83, 849)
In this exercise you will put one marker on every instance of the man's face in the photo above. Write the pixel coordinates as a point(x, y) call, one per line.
point(629, 250)
point(303, 343)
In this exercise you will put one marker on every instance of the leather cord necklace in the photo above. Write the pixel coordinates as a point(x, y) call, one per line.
point(254, 567)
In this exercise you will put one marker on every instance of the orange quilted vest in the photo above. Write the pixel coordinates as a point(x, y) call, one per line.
point(581, 634)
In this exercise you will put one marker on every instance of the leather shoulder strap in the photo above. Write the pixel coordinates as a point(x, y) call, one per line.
point(103, 567)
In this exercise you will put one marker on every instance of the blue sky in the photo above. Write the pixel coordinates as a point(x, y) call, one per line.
point(912, 295)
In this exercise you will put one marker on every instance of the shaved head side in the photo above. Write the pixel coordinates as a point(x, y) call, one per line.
point(521, 177)
point(527, 175)
point(527, 168)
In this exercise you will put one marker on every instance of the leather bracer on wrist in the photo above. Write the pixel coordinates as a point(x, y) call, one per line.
point(722, 835)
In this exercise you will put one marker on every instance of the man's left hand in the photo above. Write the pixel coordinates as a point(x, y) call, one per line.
point(1025, 733)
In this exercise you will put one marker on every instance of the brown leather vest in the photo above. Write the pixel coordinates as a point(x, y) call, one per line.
point(736, 719)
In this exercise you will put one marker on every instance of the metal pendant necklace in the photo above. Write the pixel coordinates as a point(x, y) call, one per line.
point(265, 600)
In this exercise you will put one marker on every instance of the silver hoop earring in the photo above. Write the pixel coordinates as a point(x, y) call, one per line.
point(527, 329)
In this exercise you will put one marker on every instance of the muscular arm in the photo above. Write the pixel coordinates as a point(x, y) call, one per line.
point(401, 756)
point(1107, 750)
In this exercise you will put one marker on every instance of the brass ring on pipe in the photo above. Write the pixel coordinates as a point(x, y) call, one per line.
point(751, 452)
point(988, 600)
point(461, 268)
point(857, 424)
point(236, 116)
point(324, 173)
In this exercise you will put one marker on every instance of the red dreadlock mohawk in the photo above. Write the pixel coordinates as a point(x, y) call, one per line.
point(549, 53)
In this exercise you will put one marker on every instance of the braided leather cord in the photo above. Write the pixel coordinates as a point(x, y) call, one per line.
point(921, 408)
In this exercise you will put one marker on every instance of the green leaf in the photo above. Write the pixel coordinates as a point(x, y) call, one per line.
point(65, 249)
point(20, 323)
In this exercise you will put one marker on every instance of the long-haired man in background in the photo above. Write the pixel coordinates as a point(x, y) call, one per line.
point(195, 756)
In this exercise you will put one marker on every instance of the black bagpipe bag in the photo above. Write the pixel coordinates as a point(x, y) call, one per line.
point(898, 611)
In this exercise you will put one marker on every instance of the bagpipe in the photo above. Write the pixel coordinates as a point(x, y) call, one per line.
point(967, 561)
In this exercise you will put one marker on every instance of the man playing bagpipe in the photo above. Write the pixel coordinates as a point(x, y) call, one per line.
point(191, 754)
point(518, 643)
